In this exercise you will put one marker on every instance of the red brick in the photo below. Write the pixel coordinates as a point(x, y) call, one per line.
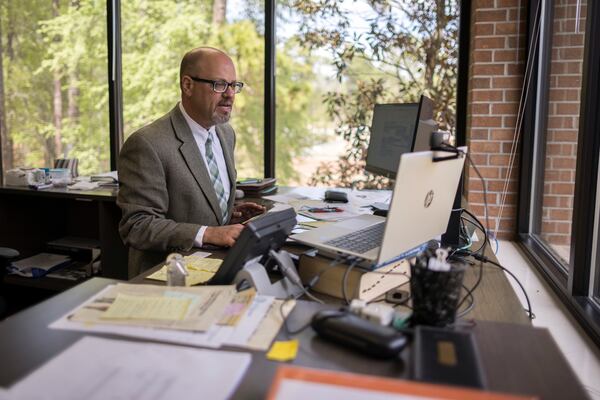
point(481, 83)
point(567, 109)
point(515, 69)
point(486, 95)
point(486, 121)
point(507, 82)
point(508, 28)
point(563, 162)
point(502, 134)
point(483, 29)
point(482, 56)
point(571, 53)
point(478, 4)
point(488, 69)
point(479, 134)
point(512, 95)
point(480, 108)
point(508, 3)
point(499, 159)
point(505, 108)
point(485, 147)
point(563, 188)
point(561, 214)
point(565, 136)
point(505, 55)
point(490, 15)
point(569, 81)
point(490, 42)
point(509, 121)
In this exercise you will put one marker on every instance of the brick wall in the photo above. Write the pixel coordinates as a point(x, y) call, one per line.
point(495, 81)
point(564, 92)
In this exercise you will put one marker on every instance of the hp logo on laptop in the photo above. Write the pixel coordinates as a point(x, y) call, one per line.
point(428, 199)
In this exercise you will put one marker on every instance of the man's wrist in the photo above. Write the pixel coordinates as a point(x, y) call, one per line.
point(199, 240)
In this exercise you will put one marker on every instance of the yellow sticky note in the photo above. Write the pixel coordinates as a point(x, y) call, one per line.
point(200, 270)
point(283, 350)
point(142, 307)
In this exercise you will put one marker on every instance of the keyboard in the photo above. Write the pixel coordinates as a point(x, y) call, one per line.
point(360, 241)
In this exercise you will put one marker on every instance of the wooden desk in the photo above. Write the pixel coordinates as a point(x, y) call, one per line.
point(31, 218)
point(515, 358)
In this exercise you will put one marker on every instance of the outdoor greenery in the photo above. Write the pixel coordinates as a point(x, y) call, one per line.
point(54, 71)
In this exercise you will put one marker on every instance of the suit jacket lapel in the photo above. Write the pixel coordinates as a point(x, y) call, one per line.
point(193, 159)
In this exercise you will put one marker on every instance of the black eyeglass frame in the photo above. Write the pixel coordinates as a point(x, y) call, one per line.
point(237, 86)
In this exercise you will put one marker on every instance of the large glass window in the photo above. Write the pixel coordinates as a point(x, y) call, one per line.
point(335, 60)
point(559, 126)
point(53, 96)
point(156, 35)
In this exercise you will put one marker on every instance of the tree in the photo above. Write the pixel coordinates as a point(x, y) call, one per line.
point(410, 48)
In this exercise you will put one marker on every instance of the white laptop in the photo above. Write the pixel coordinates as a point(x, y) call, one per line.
point(419, 211)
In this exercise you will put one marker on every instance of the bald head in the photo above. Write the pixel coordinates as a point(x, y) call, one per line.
point(195, 60)
point(200, 69)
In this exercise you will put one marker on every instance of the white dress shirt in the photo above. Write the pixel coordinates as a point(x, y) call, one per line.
point(201, 136)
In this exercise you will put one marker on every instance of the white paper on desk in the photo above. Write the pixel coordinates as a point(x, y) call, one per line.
point(5, 394)
point(240, 334)
point(97, 368)
point(210, 338)
point(292, 389)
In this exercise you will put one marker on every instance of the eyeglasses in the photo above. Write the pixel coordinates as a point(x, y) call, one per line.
point(221, 86)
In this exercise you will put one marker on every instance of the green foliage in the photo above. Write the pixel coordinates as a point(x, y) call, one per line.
point(69, 44)
point(410, 48)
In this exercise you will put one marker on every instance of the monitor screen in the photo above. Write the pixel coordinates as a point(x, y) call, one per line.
point(397, 129)
point(268, 232)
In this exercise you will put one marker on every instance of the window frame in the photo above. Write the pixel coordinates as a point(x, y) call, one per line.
point(572, 286)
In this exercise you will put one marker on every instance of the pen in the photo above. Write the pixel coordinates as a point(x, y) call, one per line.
point(324, 209)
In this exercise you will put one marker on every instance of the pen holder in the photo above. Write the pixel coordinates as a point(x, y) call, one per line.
point(435, 294)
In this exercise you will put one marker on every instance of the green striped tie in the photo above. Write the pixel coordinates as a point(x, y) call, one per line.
point(213, 170)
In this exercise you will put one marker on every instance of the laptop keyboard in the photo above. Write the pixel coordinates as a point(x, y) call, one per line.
point(360, 241)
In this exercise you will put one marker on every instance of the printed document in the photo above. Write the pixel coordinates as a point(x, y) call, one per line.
point(97, 368)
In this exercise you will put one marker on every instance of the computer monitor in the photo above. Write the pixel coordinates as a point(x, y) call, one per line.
point(268, 232)
point(398, 129)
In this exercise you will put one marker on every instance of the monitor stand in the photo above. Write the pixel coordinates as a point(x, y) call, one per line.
point(255, 274)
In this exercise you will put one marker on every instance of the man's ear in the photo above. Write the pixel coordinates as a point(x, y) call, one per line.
point(186, 85)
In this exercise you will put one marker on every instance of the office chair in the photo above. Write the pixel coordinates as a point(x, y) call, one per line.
point(6, 257)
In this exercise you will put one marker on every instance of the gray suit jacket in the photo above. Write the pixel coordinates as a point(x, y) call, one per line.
point(165, 190)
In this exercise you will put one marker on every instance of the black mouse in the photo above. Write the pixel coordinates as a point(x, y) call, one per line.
point(335, 196)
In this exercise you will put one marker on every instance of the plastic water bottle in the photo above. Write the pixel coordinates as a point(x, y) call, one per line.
point(176, 271)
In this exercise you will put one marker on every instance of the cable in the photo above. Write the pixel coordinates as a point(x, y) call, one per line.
point(345, 278)
point(529, 309)
point(286, 328)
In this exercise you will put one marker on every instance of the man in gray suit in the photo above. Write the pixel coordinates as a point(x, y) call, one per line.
point(177, 175)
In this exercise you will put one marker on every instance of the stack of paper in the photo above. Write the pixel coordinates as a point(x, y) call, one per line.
point(209, 316)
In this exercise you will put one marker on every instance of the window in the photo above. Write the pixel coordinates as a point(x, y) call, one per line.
point(336, 60)
point(156, 35)
point(558, 127)
point(558, 220)
point(54, 97)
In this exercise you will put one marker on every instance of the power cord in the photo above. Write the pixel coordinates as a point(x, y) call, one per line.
point(487, 260)
point(354, 261)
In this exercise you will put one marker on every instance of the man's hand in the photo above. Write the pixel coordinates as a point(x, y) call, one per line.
point(222, 235)
point(244, 211)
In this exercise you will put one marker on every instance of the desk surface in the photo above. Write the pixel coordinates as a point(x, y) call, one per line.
point(26, 342)
point(105, 194)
